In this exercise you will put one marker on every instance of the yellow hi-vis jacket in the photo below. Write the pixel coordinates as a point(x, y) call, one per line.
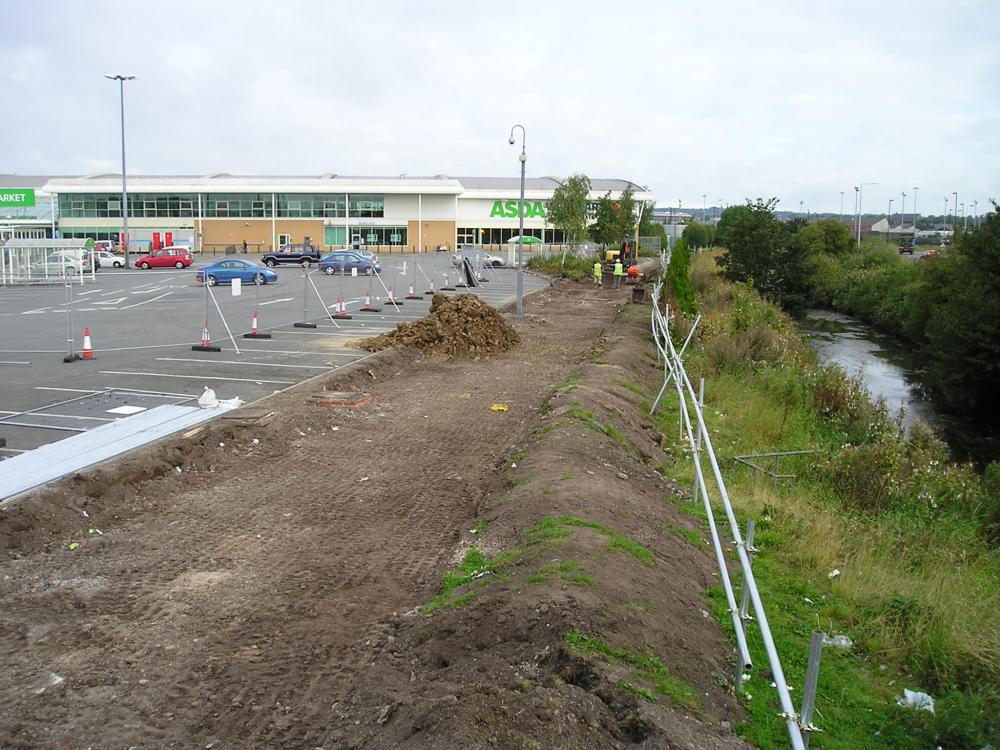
point(597, 270)
point(619, 269)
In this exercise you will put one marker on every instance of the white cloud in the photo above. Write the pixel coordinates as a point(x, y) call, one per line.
point(730, 99)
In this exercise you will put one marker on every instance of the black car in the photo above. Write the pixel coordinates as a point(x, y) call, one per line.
point(301, 255)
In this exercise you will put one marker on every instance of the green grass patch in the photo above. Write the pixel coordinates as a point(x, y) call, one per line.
point(553, 528)
point(480, 527)
point(475, 569)
point(639, 692)
point(648, 667)
point(589, 420)
point(568, 570)
point(637, 390)
point(689, 535)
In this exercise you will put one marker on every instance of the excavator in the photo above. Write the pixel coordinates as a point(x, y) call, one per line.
point(627, 255)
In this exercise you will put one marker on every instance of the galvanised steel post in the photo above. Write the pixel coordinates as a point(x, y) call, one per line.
point(121, 95)
point(519, 307)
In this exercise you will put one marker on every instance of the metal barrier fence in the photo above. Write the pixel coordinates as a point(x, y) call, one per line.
point(693, 427)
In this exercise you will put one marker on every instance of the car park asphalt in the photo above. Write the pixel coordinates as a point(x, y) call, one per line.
point(143, 323)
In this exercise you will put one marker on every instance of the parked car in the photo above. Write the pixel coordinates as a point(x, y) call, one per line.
point(927, 255)
point(487, 259)
point(58, 264)
point(225, 270)
point(106, 258)
point(346, 260)
point(178, 257)
point(300, 255)
point(906, 250)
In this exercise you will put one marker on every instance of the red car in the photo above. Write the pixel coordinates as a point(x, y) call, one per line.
point(178, 257)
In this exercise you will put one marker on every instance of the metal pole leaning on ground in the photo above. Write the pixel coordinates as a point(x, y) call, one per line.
point(223, 318)
point(697, 442)
point(323, 303)
point(743, 652)
point(71, 355)
point(389, 296)
point(430, 283)
point(788, 709)
point(304, 323)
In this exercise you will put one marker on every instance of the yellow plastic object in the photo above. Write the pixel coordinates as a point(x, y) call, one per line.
point(499, 407)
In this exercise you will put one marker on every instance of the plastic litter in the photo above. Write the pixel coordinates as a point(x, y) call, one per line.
point(833, 574)
point(207, 399)
point(255, 441)
point(499, 407)
point(916, 700)
point(74, 545)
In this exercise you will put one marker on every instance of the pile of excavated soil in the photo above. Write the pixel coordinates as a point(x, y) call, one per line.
point(460, 326)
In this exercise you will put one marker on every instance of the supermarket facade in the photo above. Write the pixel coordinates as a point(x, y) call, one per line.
point(405, 213)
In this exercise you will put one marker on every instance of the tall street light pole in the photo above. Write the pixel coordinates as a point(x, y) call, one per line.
point(888, 220)
point(861, 196)
point(954, 206)
point(519, 308)
point(857, 218)
point(841, 206)
point(704, 206)
point(975, 214)
point(121, 95)
point(915, 189)
point(902, 210)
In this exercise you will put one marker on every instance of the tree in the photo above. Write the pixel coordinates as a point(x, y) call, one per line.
point(771, 254)
point(963, 331)
point(678, 282)
point(567, 209)
point(615, 218)
point(603, 229)
point(698, 235)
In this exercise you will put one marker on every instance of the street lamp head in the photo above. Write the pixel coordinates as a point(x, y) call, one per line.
point(511, 140)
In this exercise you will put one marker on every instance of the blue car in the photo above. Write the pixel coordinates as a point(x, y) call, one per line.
point(346, 260)
point(224, 271)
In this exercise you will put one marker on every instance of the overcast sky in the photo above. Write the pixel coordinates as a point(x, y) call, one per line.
point(798, 100)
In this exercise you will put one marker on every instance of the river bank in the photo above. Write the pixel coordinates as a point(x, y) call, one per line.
point(893, 372)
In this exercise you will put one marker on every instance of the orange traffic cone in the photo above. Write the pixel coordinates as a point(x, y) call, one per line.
point(341, 313)
point(88, 349)
point(412, 295)
point(368, 305)
point(392, 300)
point(206, 342)
point(254, 331)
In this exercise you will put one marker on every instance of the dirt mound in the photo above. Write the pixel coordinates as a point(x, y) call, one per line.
point(460, 326)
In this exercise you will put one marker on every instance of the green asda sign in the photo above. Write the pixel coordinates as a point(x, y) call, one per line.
point(508, 210)
point(17, 197)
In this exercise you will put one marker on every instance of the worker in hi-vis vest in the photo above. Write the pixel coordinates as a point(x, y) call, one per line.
point(619, 272)
point(597, 273)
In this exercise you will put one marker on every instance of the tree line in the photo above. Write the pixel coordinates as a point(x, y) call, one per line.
point(947, 307)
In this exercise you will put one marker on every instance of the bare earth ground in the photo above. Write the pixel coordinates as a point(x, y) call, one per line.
point(264, 594)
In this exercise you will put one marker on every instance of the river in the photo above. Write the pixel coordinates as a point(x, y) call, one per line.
point(893, 373)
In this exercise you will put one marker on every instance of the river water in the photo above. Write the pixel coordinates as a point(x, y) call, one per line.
point(893, 373)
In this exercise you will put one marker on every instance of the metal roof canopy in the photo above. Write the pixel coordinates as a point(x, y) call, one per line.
point(49, 462)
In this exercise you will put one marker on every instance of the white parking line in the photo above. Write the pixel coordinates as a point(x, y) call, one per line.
point(274, 301)
point(150, 291)
point(89, 291)
point(146, 302)
point(317, 352)
point(237, 362)
point(68, 390)
point(110, 301)
point(194, 377)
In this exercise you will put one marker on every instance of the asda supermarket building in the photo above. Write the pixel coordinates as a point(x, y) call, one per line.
point(411, 214)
